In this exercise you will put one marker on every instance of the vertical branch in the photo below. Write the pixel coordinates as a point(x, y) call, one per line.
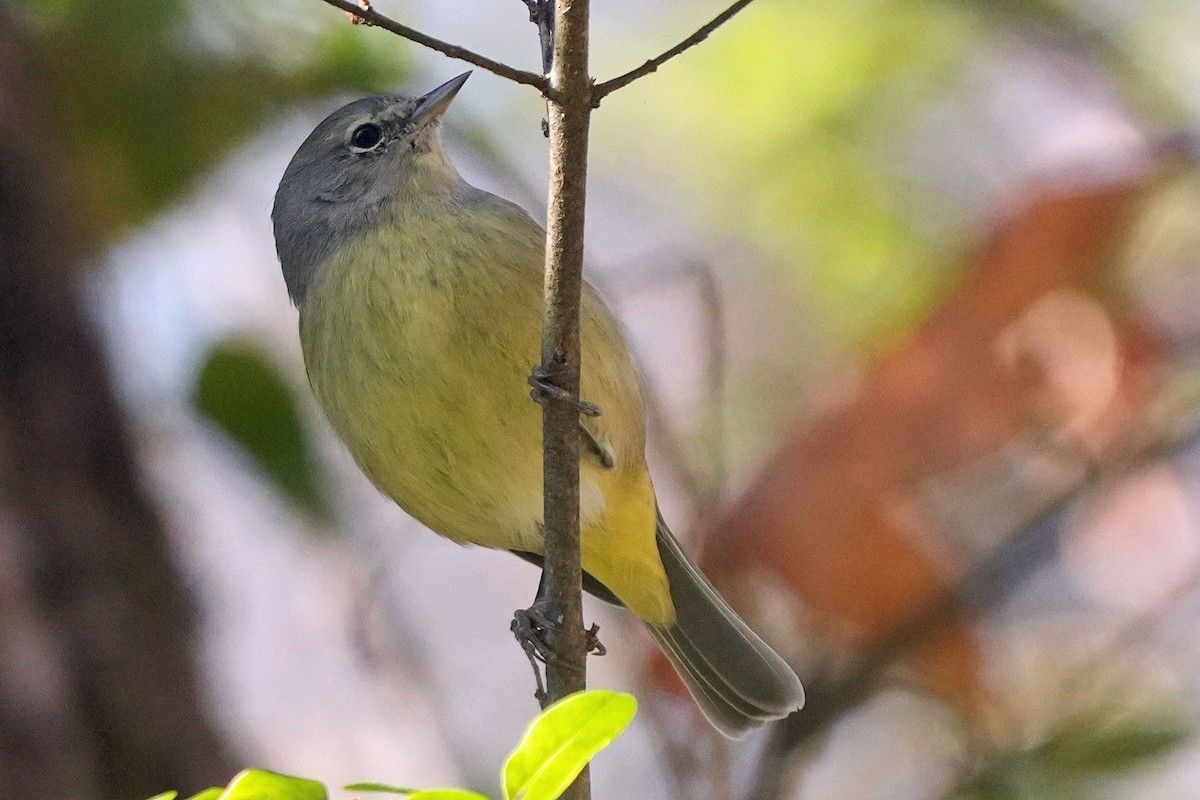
point(570, 109)
point(569, 96)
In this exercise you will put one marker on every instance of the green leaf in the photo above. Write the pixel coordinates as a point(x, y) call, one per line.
point(561, 740)
point(165, 796)
point(257, 784)
point(1081, 750)
point(418, 794)
point(208, 794)
point(246, 397)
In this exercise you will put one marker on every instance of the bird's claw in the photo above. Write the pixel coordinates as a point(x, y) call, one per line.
point(595, 647)
point(530, 626)
point(545, 390)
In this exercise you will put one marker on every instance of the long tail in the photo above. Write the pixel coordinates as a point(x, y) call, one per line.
point(738, 681)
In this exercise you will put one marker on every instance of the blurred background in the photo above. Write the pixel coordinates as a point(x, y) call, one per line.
point(914, 285)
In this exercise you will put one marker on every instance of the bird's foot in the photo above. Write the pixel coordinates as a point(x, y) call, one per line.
point(546, 390)
point(532, 629)
point(530, 626)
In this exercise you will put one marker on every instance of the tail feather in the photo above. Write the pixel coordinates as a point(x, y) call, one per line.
point(737, 679)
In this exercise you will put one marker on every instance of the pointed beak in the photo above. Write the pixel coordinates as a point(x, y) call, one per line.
point(431, 106)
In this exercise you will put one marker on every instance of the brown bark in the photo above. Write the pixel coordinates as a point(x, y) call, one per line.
point(569, 111)
point(98, 694)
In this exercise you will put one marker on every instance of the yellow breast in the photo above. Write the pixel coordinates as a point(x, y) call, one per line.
point(418, 339)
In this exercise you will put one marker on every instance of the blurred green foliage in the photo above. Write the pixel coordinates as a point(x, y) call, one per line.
point(154, 93)
point(784, 120)
point(1068, 764)
point(242, 392)
point(791, 123)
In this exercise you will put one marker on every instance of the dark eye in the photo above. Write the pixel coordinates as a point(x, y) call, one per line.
point(366, 136)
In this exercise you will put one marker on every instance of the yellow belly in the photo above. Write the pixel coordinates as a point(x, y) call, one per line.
point(426, 384)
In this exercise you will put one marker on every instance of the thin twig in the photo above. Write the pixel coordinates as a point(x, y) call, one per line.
point(541, 13)
point(716, 370)
point(366, 15)
point(703, 483)
point(700, 490)
point(606, 88)
point(694, 755)
point(704, 487)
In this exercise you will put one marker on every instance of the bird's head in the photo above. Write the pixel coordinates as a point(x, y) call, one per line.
point(353, 168)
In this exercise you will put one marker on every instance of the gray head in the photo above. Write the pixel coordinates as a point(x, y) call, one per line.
point(349, 171)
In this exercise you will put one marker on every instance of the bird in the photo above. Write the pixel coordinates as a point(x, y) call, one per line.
point(420, 301)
